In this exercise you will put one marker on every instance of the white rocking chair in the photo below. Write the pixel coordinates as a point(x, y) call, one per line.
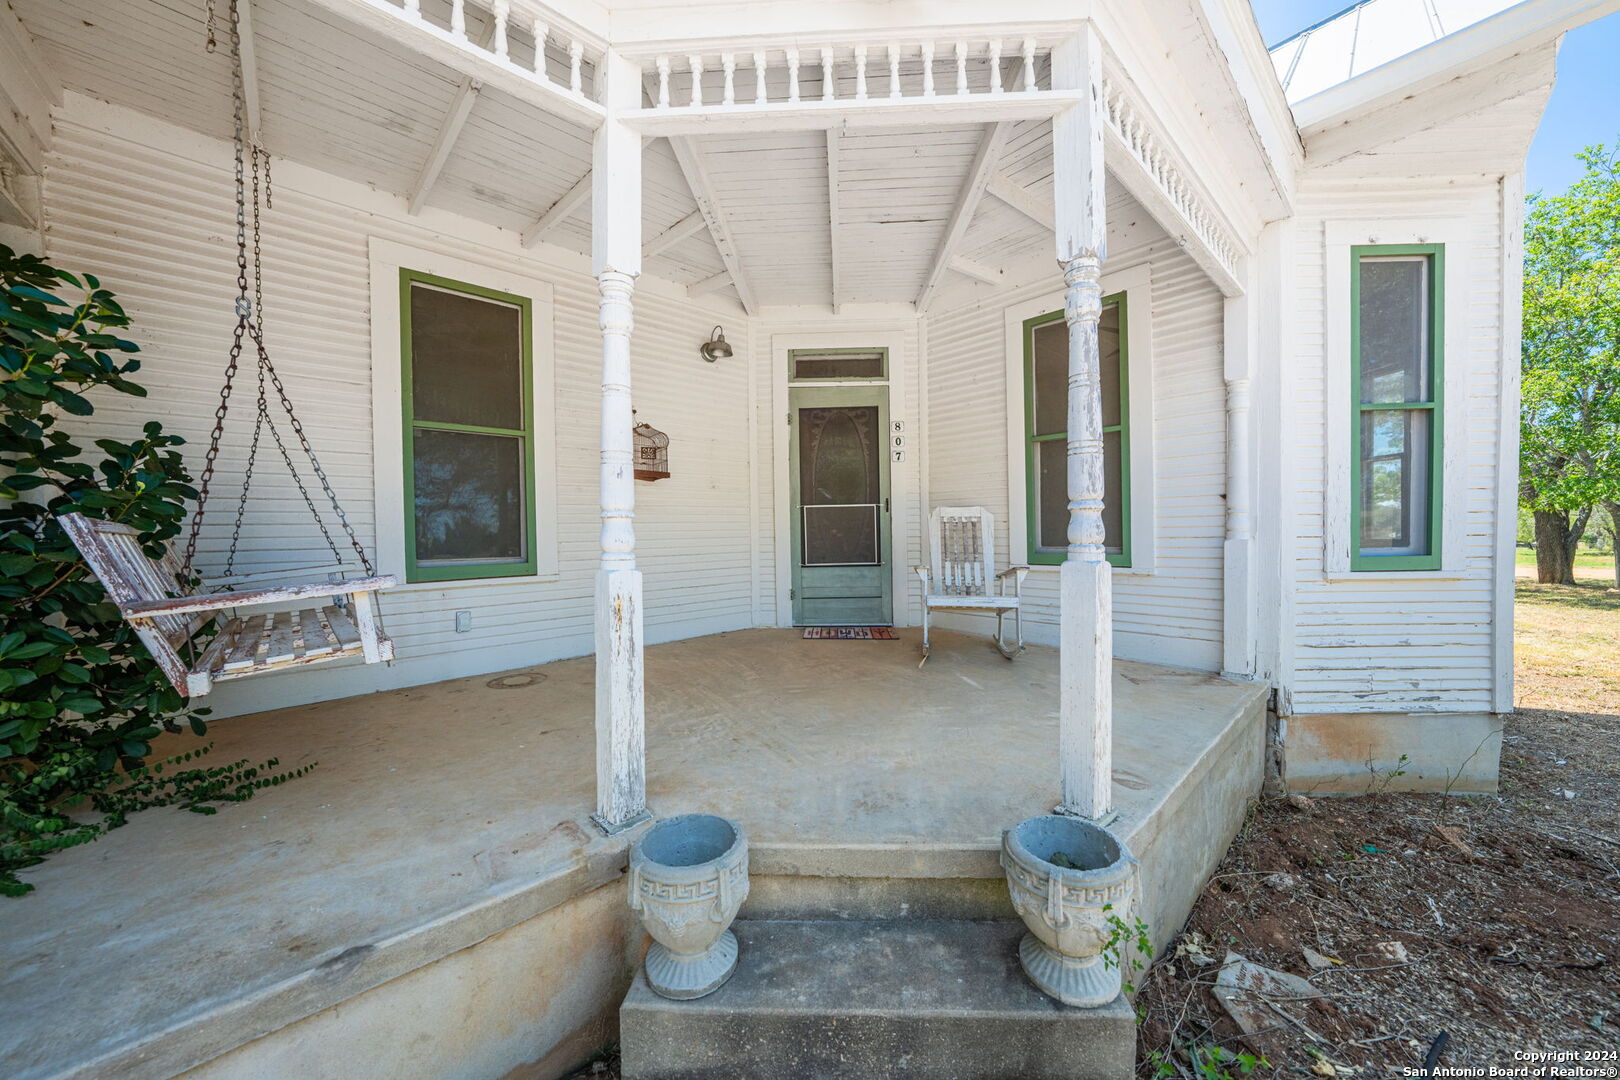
point(962, 545)
point(149, 595)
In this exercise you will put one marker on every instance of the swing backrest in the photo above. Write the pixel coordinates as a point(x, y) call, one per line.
point(114, 554)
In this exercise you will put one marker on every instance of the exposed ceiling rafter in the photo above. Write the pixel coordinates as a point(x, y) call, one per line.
point(690, 225)
point(696, 172)
point(709, 284)
point(449, 130)
point(559, 211)
point(832, 218)
point(967, 203)
point(978, 271)
point(455, 117)
point(250, 71)
point(1023, 200)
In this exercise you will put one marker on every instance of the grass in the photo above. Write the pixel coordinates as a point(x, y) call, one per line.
point(1567, 647)
point(1586, 560)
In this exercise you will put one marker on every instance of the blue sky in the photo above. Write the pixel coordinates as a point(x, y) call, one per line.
point(1585, 105)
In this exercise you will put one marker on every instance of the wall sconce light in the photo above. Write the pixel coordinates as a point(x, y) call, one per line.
point(715, 348)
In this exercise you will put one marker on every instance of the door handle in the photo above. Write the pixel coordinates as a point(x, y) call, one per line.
point(885, 506)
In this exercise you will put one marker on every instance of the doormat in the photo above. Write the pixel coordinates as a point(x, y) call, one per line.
point(850, 633)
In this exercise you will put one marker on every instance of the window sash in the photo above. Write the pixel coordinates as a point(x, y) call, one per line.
point(462, 569)
point(1037, 554)
point(1370, 559)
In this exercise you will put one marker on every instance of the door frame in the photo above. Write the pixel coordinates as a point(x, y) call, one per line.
point(904, 477)
point(876, 392)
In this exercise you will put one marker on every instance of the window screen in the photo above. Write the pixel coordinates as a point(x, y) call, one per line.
point(469, 430)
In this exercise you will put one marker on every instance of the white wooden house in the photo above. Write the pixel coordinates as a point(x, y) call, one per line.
point(1108, 269)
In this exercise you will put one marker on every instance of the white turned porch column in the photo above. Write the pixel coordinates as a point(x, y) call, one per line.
point(1086, 637)
point(621, 772)
point(1238, 585)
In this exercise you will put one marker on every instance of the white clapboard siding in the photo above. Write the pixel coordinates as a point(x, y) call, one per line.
point(149, 213)
point(1381, 644)
point(1173, 615)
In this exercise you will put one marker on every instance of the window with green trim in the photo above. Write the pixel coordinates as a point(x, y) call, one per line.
point(1046, 422)
point(468, 430)
point(1397, 322)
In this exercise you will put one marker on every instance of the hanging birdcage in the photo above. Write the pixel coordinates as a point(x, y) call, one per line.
point(652, 453)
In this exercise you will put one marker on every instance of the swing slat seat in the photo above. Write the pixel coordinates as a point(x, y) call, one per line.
point(147, 592)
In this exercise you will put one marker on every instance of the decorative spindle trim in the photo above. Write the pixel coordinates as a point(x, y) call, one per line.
point(995, 66)
point(793, 74)
point(413, 7)
point(694, 64)
point(458, 18)
point(761, 94)
point(860, 73)
point(928, 68)
point(1138, 137)
point(502, 10)
point(961, 67)
point(663, 82)
point(894, 69)
point(576, 79)
point(540, 31)
point(829, 81)
point(728, 63)
point(1029, 64)
point(1082, 309)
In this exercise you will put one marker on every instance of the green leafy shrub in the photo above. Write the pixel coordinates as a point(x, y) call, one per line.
point(80, 698)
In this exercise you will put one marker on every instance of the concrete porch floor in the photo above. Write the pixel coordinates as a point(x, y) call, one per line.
point(440, 815)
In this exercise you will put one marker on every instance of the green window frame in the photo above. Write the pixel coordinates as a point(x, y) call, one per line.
point(416, 570)
point(1032, 442)
point(1362, 558)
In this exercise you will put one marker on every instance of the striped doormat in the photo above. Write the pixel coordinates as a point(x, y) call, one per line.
point(850, 633)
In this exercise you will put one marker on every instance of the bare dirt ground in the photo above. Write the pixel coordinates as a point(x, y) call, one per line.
point(1495, 920)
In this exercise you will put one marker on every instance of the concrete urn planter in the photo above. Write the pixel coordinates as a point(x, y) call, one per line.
point(1065, 908)
point(688, 877)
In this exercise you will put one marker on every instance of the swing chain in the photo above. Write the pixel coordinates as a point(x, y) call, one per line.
point(249, 323)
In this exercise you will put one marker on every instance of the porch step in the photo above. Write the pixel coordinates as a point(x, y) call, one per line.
point(931, 999)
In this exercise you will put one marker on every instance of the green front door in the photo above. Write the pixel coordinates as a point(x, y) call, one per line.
point(840, 505)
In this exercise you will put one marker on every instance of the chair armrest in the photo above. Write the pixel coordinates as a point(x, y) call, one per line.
point(1017, 574)
point(181, 605)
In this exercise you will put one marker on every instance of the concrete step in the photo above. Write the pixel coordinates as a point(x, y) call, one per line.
point(803, 896)
point(915, 998)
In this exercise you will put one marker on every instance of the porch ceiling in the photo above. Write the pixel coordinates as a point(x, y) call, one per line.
point(872, 216)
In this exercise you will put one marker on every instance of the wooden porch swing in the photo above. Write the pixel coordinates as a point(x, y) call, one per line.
point(164, 600)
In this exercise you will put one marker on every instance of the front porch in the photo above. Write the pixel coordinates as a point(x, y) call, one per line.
point(443, 815)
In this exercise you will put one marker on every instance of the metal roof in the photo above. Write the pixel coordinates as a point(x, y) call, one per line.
point(1368, 34)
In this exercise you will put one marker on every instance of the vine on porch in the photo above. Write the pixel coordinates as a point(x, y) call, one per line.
point(81, 700)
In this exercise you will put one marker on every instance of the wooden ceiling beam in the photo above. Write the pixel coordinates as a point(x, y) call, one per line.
point(709, 284)
point(690, 225)
point(449, 130)
point(250, 72)
point(693, 167)
point(978, 271)
point(559, 211)
point(1021, 199)
point(967, 204)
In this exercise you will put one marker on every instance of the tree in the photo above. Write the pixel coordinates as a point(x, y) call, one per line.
point(1570, 418)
